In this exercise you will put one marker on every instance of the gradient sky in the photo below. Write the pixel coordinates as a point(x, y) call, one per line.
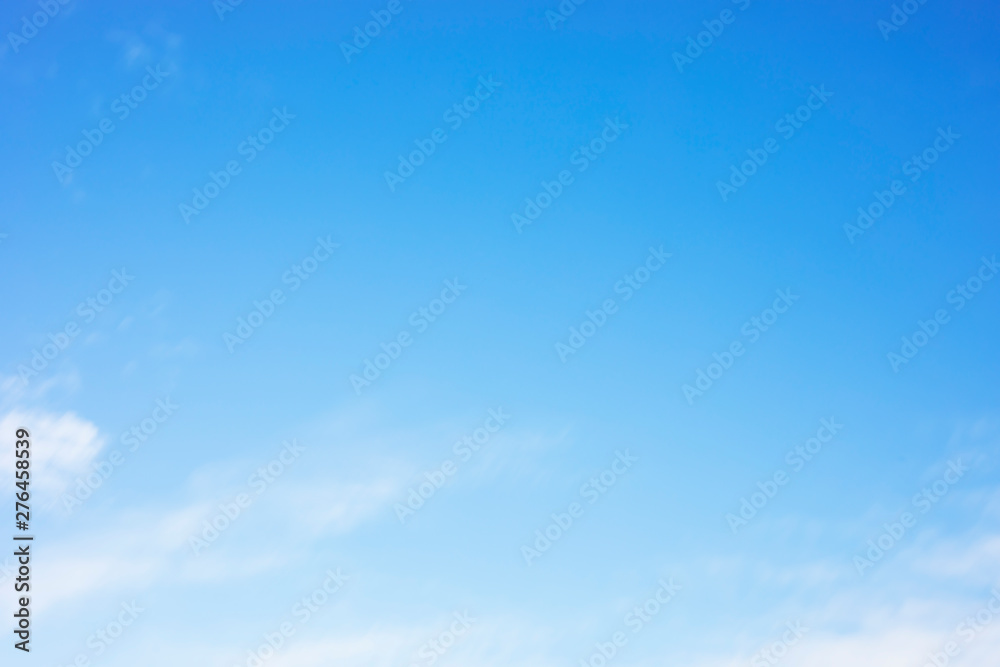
point(555, 87)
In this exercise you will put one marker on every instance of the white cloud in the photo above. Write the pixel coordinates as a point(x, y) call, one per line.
point(337, 508)
point(150, 547)
point(494, 641)
point(62, 449)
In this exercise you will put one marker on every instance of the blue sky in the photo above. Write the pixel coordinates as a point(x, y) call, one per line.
point(234, 183)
